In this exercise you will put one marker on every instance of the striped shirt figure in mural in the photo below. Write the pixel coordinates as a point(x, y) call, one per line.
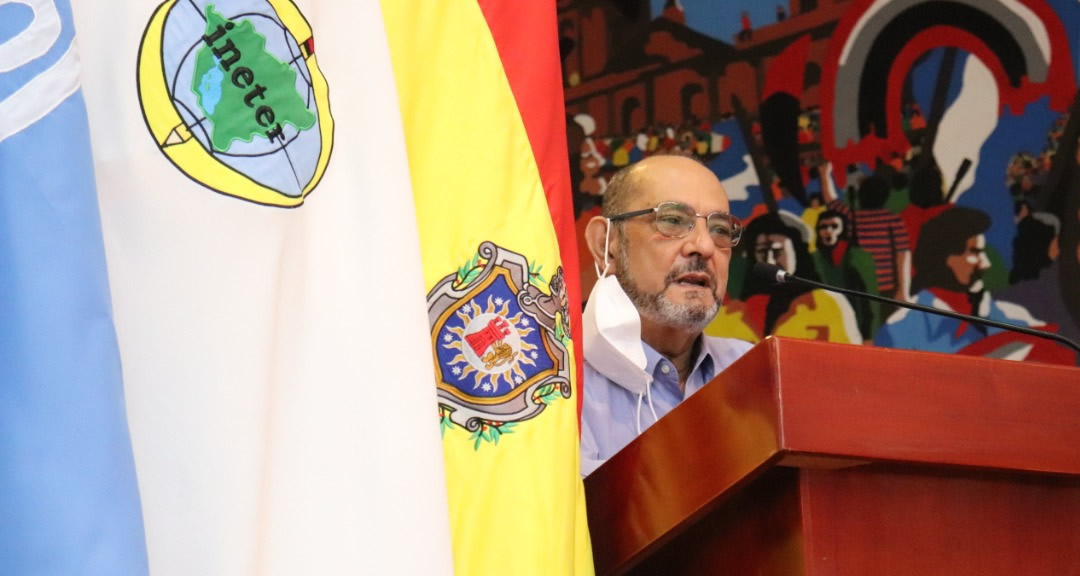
point(876, 230)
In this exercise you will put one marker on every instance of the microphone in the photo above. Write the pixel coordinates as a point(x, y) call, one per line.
point(771, 275)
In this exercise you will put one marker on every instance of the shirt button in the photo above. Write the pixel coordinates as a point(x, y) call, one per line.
point(665, 368)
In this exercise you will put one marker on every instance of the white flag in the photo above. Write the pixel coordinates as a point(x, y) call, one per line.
point(270, 310)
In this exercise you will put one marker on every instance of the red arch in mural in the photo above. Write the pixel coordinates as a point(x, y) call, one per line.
point(1059, 85)
point(923, 42)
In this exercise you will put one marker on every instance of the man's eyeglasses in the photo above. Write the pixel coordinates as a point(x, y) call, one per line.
point(676, 220)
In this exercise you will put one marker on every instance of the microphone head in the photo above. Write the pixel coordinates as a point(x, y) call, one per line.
point(768, 274)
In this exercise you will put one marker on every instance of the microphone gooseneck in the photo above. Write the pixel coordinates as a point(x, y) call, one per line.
point(772, 275)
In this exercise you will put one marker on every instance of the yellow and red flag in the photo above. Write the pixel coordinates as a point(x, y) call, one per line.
point(481, 102)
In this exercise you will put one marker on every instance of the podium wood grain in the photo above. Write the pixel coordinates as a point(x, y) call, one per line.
point(826, 459)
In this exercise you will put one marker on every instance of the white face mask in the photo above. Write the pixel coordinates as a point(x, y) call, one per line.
point(611, 330)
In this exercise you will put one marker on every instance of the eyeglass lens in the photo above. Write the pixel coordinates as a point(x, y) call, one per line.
point(677, 220)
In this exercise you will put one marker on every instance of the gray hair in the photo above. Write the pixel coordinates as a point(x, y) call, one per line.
point(619, 191)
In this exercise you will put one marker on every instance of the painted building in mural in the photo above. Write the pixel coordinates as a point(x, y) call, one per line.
point(917, 149)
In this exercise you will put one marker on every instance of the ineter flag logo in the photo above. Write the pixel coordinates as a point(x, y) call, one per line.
point(233, 96)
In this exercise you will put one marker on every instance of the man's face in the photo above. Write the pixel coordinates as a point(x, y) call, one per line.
point(775, 249)
point(829, 231)
point(675, 282)
point(969, 265)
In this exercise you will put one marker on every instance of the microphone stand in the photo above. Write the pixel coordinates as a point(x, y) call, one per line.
point(782, 277)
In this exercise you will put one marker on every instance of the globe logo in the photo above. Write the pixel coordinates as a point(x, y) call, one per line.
point(232, 95)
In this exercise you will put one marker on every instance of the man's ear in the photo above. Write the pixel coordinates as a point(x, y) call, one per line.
point(595, 232)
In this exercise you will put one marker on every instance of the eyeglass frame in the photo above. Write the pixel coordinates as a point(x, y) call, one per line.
point(736, 224)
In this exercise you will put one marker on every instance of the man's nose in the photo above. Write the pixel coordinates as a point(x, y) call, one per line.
point(698, 241)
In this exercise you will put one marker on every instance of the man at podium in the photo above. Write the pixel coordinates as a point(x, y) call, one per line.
point(661, 248)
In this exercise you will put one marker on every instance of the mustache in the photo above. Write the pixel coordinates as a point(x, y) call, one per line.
point(694, 265)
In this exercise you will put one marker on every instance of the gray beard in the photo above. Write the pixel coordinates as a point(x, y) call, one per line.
point(655, 306)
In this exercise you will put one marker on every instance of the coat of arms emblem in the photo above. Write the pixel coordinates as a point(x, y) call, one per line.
point(500, 342)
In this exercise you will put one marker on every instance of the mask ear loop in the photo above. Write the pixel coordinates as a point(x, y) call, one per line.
point(638, 412)
point(602, 274)
point(607, 239)
point(646, 394)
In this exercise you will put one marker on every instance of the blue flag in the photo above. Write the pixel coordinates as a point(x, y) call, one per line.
point(69, 502)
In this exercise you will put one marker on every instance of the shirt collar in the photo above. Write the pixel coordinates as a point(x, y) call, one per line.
point(704, 362)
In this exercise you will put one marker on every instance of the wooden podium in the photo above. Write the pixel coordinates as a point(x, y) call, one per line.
point(837, 460)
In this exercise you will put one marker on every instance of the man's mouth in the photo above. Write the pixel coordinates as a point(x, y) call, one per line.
point(698, 279)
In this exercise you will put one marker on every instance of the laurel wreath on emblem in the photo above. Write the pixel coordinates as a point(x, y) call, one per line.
point(500, 334)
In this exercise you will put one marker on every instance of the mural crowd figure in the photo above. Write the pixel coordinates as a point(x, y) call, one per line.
point(756, 310)
point(840, 263)
point(951, 261)
point(1035, 271)
point(877, 230)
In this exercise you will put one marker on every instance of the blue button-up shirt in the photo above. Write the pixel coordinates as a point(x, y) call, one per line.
point(610, 413)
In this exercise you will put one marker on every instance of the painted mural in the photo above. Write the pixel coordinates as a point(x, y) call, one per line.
point(924, 150)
